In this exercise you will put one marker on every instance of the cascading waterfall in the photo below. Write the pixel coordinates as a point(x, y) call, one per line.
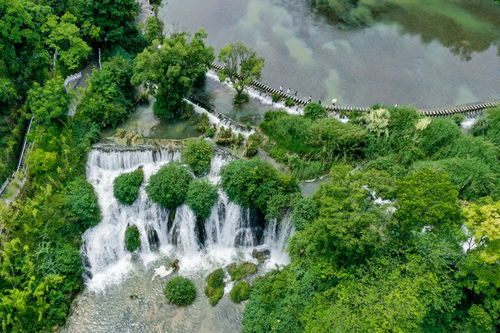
point(230, 233)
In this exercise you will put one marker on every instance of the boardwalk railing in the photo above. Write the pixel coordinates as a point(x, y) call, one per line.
point(21, 165)
point(436, 112)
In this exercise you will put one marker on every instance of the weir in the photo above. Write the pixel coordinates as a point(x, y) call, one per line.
point(230, 234)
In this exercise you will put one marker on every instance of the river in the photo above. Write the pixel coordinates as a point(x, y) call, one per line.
point(427, 54)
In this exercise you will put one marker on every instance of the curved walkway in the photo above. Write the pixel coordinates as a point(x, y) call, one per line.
point(436, 112)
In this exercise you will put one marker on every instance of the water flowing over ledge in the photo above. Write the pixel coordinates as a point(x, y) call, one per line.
point(229, 234)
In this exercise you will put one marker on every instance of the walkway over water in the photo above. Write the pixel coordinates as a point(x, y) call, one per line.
point(470, 109)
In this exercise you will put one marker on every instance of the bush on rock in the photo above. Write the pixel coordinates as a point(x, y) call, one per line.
point(180, 291)
point(198, 153)
point(132, 238)
point(241, 271)
point(215, 286)
point(201, 196)
point(126, 186)
point(240, 292)
point(169, 186)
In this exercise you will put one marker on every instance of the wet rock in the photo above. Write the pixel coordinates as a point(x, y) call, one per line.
point(261, 255)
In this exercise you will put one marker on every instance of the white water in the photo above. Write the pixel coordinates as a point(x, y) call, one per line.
point(230, 232)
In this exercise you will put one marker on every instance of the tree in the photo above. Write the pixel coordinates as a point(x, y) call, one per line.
point(108, 99)
point(241, 67)
point(49, 103)
point(126, 186)
point(153, 29)
point(426, 198)
point(25, 299)
point(65, 39)
point(170, 69)
point(132, 238)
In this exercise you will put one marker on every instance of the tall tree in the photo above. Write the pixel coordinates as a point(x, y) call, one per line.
point(170, 69)
point(241, 67)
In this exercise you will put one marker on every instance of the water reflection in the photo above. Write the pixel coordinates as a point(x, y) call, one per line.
point(402, 59)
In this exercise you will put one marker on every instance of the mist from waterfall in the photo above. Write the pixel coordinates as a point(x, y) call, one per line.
point(229, 234)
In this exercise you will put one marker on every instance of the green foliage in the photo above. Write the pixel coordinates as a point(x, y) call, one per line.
point(290, 132)
point(198, 154)
point(226, 137)
point(215, 286)
point(467, 146)
point(489, 125)
point(275, 97)
point(49, 103)
point(252, 145)
point(241, 271)
point(65, 38)
point(314, 111)
point(169, 186)
point(240, 292)
point(169, 70)
point(180, 291)
point(304, 212)
point(472, 177)
point(108, 99)
point(201, 197)
point(126, 186)
point(25, 300)
point(439, 133)
point(254, 182)
point(153, 29)
point(82, 203)
point(426, 198)
point(241, 66)
point(132, 238)
point(289, 102)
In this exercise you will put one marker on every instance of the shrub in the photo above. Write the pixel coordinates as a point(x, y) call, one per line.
point(289, 102)
point(201, 196)
point(472, 177)
point(252, 145)
point(467, 146)
point(198, 153)
point(275, 97)
point(304, 212)
point(241, 271)
point(169, 186)
point(203, 123)
point(132, 238)
point(402, 127)
point(314, 111)
point(240, 292)
point(241, 98)
point(226, 137)
point(126, 186)
point(439, 133)
point(180, 291)
point(274, 114)
point(288, 131)
point(215, 286)
point(253, 183)
point(489, 125)
point(82, 204)
point(331, 139)
point(458, 118)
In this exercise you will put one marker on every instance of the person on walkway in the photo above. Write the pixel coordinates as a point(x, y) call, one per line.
point(334, 102)
point(319, 102)
point(288, 91)
point(281, 89)
point(295, 93)
point(309, 100)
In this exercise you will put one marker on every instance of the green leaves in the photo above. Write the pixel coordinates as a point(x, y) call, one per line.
point(126, 186)
point(170, 69)
point(241, 66)
point(201, 197)
point(180, 291)
point(49, 103)
point(169, 186)
point(198, 154)
point(132, 238)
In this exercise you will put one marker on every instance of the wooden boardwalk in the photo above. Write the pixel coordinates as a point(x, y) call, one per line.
point(436, 112)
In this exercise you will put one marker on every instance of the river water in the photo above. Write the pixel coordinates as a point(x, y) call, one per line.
point(426, 53)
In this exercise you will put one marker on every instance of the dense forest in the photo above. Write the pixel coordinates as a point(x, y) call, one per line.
point(403, 237)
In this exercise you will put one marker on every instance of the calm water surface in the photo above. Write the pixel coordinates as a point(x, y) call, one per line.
point(427, 54)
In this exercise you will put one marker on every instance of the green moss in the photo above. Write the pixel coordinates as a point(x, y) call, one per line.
point(198, 153)
point(240, 292)
point(215, 286)
point(201, 196)
point(180, 291)
point(241, 271)
point(126, 186)
point(132, 238)
point(169, 186)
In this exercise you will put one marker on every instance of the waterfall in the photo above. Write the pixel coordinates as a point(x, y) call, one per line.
point(229, 234)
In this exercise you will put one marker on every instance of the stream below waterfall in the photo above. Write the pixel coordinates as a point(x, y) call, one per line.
point(113, 275)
